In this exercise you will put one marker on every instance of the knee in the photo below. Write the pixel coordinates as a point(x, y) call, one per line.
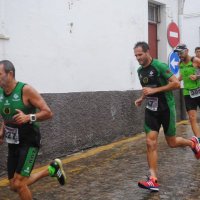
point(192, 117)
point(172, 143)
point(16, 185)
point(151, 143)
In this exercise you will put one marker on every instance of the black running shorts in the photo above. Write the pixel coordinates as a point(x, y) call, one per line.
point(166, 118)
point(21, 159)
point(191, 103)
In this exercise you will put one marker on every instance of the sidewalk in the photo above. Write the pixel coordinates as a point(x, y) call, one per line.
point(111, 172)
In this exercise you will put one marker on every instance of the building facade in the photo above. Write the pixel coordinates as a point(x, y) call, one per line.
point(191, 25)
point(79, 55)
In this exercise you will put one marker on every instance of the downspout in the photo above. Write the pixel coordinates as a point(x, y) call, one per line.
point(3, 36)
point(180, 25)
point(180, 17)
point(2, 20)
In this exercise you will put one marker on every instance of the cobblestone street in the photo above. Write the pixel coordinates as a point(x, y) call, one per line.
point(112, 172)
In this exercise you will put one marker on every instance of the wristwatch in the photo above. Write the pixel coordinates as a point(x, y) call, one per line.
point(32, 117)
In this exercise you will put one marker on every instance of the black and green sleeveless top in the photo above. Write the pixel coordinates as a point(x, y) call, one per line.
point(28, 133)
point(156, 75)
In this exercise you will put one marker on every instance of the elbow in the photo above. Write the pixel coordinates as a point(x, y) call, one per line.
point(50, 114)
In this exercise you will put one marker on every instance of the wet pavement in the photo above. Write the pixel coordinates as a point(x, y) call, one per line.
point(112, 172)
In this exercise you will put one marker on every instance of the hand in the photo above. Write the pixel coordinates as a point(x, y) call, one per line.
point(193, 77)
point(138, 102)
point(20, 117)
point(148, 90)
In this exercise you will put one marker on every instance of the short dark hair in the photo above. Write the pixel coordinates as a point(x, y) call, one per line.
point(143, 45)
point(197, 48)
point(8, 66)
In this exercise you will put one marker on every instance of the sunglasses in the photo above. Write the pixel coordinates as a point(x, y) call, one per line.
point(181, 52)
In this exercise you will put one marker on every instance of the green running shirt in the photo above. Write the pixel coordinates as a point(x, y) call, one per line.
point(27, 133)
point(156, 75)
point(186, 70)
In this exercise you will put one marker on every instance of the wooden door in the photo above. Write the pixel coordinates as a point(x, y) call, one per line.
point(153, 40)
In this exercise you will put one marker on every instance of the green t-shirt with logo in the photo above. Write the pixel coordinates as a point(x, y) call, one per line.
point(27, 133)
point(157, 75)
point(186, 70)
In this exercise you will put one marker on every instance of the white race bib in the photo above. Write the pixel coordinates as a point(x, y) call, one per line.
point(11, 135)
point(194, 93)
point(152, 103)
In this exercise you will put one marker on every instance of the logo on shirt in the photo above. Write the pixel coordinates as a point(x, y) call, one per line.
point(1, 98)
point(151, 73)
point(6, 110)
point(6, 103)
point(145, 80)
point(16, 97)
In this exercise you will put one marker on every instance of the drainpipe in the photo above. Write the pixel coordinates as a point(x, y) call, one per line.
point(180, 24)
point(180, 17)
point(3, 36)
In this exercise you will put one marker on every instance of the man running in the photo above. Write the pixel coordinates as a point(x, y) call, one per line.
point(157, 82)
point(21, 108)
point(190, 74)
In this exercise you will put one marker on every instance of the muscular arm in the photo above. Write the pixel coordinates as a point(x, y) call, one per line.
point(32, 98)
point(173, 83)
point(196, 62)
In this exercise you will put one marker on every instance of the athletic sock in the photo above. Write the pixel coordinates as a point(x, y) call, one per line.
point(51, 170)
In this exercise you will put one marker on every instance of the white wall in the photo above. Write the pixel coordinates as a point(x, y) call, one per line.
point(77, 45)
point(191, 26)
point(96, 55)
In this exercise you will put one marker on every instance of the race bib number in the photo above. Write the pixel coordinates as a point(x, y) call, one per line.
point(152, 103)
point(11, 135)
point(194, 93)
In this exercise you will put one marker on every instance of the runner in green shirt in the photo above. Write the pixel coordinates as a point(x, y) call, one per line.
point(157, 84)
point(21, 108)
point(189, 74)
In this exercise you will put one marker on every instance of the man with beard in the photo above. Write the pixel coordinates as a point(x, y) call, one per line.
point(189, 74)
point(157, 84)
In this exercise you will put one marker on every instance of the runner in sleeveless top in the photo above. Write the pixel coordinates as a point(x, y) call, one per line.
point(190, 74)
point(157, 82)
point(21, 108)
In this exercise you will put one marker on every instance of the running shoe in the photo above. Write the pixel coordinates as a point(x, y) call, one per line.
point(56, 170)
point(196, 146)
point(150, 184)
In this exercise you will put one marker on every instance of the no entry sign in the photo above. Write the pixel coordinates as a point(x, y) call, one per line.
point(173, 34)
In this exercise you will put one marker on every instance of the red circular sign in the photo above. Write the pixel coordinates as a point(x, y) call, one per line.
point(173, 34)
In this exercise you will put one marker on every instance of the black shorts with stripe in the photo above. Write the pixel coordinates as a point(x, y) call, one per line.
point(166, 118)
point(21, 159)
